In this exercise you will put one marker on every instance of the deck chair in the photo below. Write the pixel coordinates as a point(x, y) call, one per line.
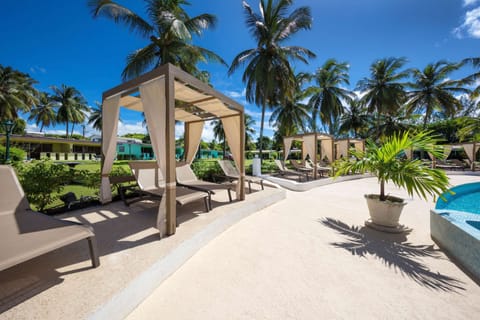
point(320, 169)
point(150, 185)
point(231, 173)
point(187, 178)
point(283, 170)
point(25, 234)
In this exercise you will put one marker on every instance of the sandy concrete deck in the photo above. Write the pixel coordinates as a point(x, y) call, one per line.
point(62, 284)
point(310, 257)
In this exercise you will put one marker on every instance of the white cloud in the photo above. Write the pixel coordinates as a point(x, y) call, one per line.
point(132, 127)
point(37, 69)
point(467, 3)
point(470, 26)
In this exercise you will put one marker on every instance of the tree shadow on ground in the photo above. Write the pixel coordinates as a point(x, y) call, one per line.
point(394, 252)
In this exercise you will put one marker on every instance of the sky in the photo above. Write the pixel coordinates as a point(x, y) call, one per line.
point(58, 42)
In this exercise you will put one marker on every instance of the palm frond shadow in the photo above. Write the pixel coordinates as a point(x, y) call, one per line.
point(394, 252)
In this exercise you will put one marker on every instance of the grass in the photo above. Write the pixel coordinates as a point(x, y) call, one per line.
point(204, 168)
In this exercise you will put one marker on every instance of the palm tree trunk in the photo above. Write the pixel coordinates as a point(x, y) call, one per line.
point(41, 127)
point(260, 143)
point(382, 190)
point(71, 131)
point(66, 130)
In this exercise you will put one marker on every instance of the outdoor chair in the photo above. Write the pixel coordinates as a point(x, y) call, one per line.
point(323, 170)
point(283, 170)
point(187, 178)
point(150, 185)
point(232, 173)
point(25, 234)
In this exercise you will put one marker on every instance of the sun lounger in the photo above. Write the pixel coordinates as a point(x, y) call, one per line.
point(231, 173)
point(187, 178)
point(283, 170)
point(323, 170)
point(25, 234)
point(151, 185)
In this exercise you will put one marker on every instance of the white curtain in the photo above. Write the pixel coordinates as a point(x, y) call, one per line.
point(469, 150)
point(309, 145)
point(193, 135)
point(359, 146)
point(231, 127)
point(154, 107)
point(446, 151)
point(409, 153)
point(342, 149)
point(326, 148)
point(287, 142)
point(110, 116)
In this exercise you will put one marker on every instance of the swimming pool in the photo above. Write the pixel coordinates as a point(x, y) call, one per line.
point(455, 225)
point(465, 199)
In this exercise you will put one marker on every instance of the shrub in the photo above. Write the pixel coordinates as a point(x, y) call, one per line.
point(16, 154)
point(207, 169)
point(42, 180)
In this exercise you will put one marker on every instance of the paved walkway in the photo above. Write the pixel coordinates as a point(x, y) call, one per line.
point(309, 257)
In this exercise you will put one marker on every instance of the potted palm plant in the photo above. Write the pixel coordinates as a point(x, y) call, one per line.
point(385, 162)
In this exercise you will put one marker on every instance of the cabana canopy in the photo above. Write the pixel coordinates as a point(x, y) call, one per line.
point(329, 147)
point(165, 95)
point(309, 146)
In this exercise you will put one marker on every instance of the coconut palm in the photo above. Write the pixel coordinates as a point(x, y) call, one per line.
point(432, 90)
point(293, 114)
point(355, 119)
point(383, 91)
point(268, 75)
point(219, 134)
point(71, 105)
point(95, 118)
point(16, 93)
point(169, 30)
point(327, 96)
point(249, 129)
point(471, 79)
point(44, 112)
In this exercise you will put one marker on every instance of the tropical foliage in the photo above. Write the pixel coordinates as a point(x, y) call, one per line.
point(71, 106)
point(169, 30)
point(44, 112)
point(433, 90)
point(268, 75)
point(385, 162)
point(16, 93)
point(328, 96)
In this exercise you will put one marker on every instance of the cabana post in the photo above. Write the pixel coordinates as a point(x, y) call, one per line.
point(168, 94)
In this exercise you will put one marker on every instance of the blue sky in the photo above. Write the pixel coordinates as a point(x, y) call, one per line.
point(58, 42)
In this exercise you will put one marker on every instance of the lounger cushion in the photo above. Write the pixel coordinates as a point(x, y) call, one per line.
point(25, 235)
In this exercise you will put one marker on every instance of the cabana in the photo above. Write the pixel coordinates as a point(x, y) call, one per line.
point(310, 147)
point(470, 148)
point(165, 95)
point(342, 147)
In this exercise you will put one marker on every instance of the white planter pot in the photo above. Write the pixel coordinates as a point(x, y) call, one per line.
point(385, 213)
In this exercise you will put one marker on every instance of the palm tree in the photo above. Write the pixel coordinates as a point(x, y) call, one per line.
point(70, 104)
point(327, 95)
point(95, 118)
point(169, 30)
point(434, 91)
point(354, 119)
point(16, 93)
point(383, 91)
point(44, 112)
point(219, 134)
point(268, 75)
point(293, 114)
point(471, 79)
point(249, 129)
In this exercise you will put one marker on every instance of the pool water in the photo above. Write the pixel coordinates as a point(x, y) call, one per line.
point(466, 199)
